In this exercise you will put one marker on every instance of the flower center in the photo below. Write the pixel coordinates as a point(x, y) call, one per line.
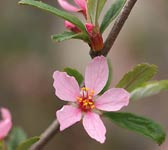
point(85, 101)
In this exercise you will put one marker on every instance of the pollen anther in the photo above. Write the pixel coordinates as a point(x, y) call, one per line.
point(85, 101)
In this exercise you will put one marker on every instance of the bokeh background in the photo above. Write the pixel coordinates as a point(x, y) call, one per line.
point(28, 59)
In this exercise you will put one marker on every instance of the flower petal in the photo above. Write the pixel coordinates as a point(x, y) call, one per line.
point(81, 4)
point(66, 87)
point(94, 126)
point(67, 6)
point(67, 116)
point(96, 74)
point(113, 99)
point(5, 123)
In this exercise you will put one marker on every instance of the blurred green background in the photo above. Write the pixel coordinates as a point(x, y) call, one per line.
point(28, 59)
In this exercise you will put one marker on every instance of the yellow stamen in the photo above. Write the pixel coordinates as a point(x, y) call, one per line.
point(85, 104)
point(92, 106)
point(79, 99)
point(92, 92)
point(85, 89)
point(90, 97)
point(90, 103)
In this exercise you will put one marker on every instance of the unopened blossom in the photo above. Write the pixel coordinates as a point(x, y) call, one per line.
point(80, 6)
point(84, 102)
point(95, 37)
point(71, 27)
point(5, 123)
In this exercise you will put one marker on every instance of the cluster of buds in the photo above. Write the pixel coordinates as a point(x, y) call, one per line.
point(95, 37)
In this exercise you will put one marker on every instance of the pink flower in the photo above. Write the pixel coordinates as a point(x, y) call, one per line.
point(85, 102)
point(81, 6)
point(5, 123)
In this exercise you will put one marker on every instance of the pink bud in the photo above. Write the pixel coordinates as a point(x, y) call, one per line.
point(71, 27)
point(89, 28)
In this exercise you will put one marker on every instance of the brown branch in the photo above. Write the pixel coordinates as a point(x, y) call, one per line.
point(53, 128)
point(115, 29)
point(46, 136)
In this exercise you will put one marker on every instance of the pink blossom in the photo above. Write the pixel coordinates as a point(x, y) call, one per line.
point(5, 123)
point(84, 102)
point(81, 6)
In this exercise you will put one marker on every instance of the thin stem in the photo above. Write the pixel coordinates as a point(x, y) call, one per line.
point(46, 136)
point(115, 29)
point(2, 145)
point(53, 128)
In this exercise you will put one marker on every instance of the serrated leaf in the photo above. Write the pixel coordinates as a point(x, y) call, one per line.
point(76, 74)
point(69, 35)
point(16, 136)
point(109, 78)
point(55, 11)
point(137, 76)
point(138, 124)
point(28, 143)
point(111, 14)
point(94, 8)
point(149, 89)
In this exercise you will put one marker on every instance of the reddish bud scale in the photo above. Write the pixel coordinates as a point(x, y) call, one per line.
point(96, 40)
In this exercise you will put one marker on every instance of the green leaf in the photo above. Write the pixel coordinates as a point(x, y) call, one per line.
point(76, 74)
point(136, 77)
point(28, 143)
point(111, 14)
point(149, 89)
point(55, 11)
point(109, 78)
point(138, 124)
point(69, 35)
point(94, 8)
point(100, 7)
point(16, 136)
